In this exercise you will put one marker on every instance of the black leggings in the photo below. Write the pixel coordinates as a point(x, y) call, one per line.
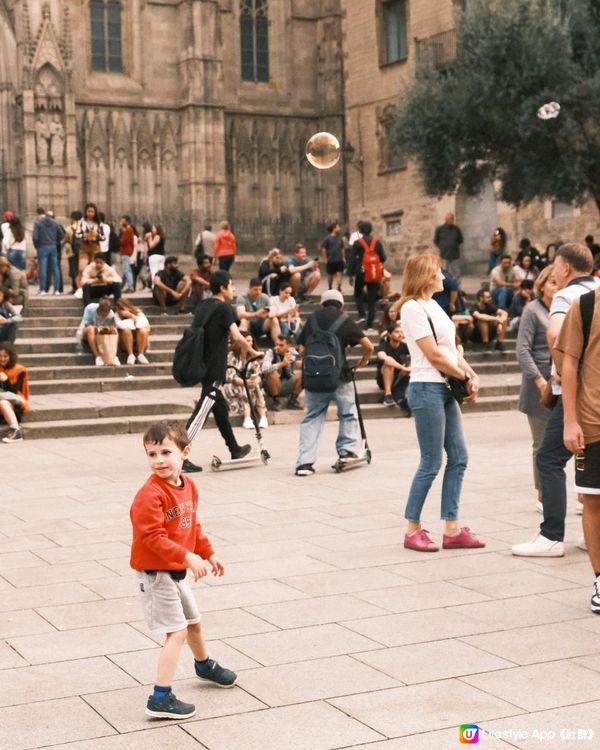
point(221, 414)
point(359, 297)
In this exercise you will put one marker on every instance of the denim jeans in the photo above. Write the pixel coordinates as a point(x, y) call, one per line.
point(8, 332)
point(552, 457)
point(128, 282)
point(439, 428)
point(17, 259)
point(48, 265)
point(502, 296)
point(312, 425)
point(225, 262)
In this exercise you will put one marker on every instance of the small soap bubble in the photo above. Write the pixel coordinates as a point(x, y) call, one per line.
point(323, 150)
point(549, 111)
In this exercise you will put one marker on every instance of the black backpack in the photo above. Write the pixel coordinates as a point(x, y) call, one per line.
point(189, 363)
point(323, 357)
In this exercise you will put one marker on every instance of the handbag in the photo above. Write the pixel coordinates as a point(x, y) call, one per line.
point(457, 387)
point(107, 344)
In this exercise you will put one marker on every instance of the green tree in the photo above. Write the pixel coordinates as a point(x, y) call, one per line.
point(476, 120)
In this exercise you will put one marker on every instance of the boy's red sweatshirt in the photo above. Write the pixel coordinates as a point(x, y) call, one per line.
point(165, 527)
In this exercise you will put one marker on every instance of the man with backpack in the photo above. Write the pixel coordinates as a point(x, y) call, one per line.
point(367, 269)
point(326, 377)
point(216, 319)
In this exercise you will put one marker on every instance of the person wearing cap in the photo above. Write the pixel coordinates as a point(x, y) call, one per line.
point(349, 334)
point(6, 218)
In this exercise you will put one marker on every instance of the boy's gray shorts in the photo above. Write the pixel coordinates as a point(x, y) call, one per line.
point(168, 605)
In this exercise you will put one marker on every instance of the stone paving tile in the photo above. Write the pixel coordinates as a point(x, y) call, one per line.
point(35, 725)
point(519, 583)
point(426, 571)
point(577, 597)
point(308, 726)
point(438, 660)
point(40, 596)
point(236, 553)
point(114, 587)
point(5, 585)
point(61, 680)
point(584, 716)
point(541, 686)
point(117, 533)
point(520, 611)
point(141, 665)
point(104, 612)
point(23, 622)
point(106, 550)
point(43, 510)
point(343, 581)
point(260, 534)
point(245, 595)
point(124, 709)
point(539, 643)
point(277, 517)
point(78, 644)
point(301, 644)
point(49, 574)
point(164, 738)
point(413, 627)
point(26, 542)
point(300, 682)
point(440, 740)
point(19, 528)
point(424, 708)
point(421, 596)
point(373, 521)
point(19, 560)
point(9, 658)
point(316, 611)
point(260, 570)
point(365, 558)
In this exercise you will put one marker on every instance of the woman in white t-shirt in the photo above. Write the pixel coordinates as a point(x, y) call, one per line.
point(437, 414)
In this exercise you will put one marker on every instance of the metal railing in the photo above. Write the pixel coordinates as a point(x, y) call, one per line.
point(438, 50)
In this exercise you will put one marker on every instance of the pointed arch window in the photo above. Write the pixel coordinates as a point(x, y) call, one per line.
point(254, 40)
point(107, 52)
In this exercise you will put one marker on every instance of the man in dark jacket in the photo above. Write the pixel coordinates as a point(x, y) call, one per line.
point(47, 236)
point(448, 238)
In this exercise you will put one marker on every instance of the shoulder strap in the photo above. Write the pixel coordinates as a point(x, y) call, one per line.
point(337, 323)
point(363, 242)
point(314, 323)
point(586, 305)
point(430, 322)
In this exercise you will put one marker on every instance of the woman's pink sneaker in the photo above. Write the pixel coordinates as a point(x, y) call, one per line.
point(463, 540)
point(420, 541)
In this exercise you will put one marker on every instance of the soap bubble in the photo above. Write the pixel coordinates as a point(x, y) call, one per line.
point(549, 111)
point(323, 150)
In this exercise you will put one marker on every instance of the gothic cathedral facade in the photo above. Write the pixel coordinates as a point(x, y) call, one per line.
point(178, 111)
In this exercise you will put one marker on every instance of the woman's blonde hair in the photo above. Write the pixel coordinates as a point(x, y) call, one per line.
point(542, 280)
point(419, 274)
point(125, 304)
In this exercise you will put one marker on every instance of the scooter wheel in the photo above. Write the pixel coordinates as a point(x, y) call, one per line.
point(368, 456)
point(338, 467)
point(265, 456)
point(215, 464)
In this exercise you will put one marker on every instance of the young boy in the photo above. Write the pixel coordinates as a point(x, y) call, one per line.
point(167, 540)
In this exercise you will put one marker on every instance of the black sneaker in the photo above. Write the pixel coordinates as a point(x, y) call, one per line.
point(217, 674)
point(169, 708)
point(189, 468)
point(345, 455)
point(304, 470)
point(487, 349)
point(499, 347)
point(388, 400)
point(595, 603)
point(241, 451)
point(13, 436)
point(293, 403)
point(275, 405)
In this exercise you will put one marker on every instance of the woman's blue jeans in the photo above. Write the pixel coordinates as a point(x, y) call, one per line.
point(439, 428)
point(17, 258)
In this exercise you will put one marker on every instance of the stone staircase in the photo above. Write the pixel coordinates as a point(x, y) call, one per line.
point(70, 396)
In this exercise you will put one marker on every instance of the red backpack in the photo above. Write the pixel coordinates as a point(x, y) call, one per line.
point(372, 267)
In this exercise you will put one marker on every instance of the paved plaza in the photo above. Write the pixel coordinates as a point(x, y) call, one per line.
point(341, 637)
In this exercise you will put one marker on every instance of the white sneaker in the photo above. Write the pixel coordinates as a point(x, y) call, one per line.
point(99, 361)
point(131, 359)
point(248, 424)
point(539, 546)
point(578, 507)
point(263, 423)
point(57, 294)
point(78, 293)
point(539, 507)
point(116, 362)
point(41, 293)
point(581, 544)
point(142, 359)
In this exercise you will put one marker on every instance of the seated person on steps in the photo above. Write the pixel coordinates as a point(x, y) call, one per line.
point(284, 313)
point(234, 391)
point(200, 278)
point(171, 286)
point(14, 392)
point(134, 330)
point(97, 315)
point(252, 309)
point(99, 280)
point(305, 272)
point(282, 373)
point(393, 370)
point(490, 322)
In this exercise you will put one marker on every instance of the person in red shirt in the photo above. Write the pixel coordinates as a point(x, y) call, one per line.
point(224, 248)
point(167, 540)
point(126, 242)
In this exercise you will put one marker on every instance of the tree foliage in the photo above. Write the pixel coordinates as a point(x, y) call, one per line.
point(476, 120)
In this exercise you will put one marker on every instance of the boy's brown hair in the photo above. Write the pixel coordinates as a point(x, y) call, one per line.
point(157, 433)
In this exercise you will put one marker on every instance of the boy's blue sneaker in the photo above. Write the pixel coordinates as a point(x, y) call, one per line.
point(169, 708)
point(214, 672)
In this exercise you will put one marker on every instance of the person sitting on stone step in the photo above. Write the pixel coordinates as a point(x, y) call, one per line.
point(282, 373)
point(393, 370)
point(99, 280)
point(9, 318)
point(171, 286)
point(97, 315)
point(14, 282)
point(134, 330)
point(14, 392)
